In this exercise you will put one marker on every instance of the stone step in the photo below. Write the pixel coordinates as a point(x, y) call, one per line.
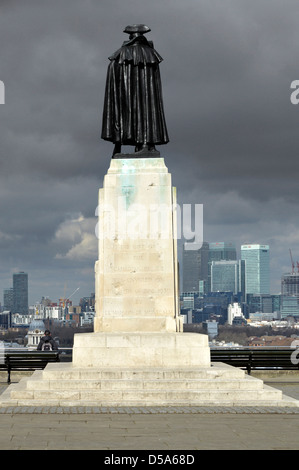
point(63, 385)
point(231, 400)
point(141, 384)
point(134, 404)
point(147, 397)
point(65, 371)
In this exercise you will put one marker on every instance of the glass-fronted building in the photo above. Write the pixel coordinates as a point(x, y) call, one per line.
point(257, 268)
point(263, 303)
point(290, 295)
point(228, 276)
point(8, 299)
point(20, 291)
point(220, 251)
point(195, 267)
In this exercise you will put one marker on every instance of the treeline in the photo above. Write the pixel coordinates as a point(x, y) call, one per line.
point(65, 334)
point(241, 334)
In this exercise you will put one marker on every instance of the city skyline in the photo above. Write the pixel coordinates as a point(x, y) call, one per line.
point(226, 73)
point(211, 248)
point(15, 299)
point(227, 261)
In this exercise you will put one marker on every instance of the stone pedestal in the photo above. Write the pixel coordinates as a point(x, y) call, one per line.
point(141, 349)
point(137, 319)
point(136, 274)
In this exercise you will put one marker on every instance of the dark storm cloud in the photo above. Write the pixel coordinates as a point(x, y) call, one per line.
point(227, 70)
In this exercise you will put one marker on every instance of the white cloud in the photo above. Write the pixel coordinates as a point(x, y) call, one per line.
point(78, 238)
point(8, 237)
point(84, 250)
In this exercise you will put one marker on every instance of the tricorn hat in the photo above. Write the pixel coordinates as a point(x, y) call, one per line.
point(137, 28)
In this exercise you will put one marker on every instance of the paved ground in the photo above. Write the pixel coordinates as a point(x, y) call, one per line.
point(151, 429)
point(134, 431)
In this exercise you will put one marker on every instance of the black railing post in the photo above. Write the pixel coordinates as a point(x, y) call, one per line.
point(249, 364)
point(7, 362)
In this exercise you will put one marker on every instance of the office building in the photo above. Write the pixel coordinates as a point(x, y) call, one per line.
point(257, 268)
point(264, 303)
point(290, 285)
point(220, 251)
point(8, 299)
point(5, 319)
point(195, 267)
point(215, 304)
point(20, 289)
point(290, 295)
point(228, 276)
point(87, 303)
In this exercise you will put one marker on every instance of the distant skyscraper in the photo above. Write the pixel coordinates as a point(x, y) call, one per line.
point(222, 251)
point(20, 289)
point(219, 251)
point(8, 299)
point(290, 285)
point(228, 276)
point(257, 268)
point(290, 294)
point(195, 267)
point(262, 303)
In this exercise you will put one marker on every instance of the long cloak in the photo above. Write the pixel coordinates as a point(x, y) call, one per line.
point(133, 108)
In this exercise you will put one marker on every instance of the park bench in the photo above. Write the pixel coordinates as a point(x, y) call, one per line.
point(27, 360)
point(258, 358)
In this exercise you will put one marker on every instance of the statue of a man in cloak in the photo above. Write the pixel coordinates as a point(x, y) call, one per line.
point(133, 108)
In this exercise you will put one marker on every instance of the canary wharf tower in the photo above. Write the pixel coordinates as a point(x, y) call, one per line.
point(257, 268)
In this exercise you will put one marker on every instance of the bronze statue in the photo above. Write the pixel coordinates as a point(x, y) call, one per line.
point(133, 108)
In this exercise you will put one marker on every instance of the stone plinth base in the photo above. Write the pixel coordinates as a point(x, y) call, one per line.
point(136, 275)
point(128, 350)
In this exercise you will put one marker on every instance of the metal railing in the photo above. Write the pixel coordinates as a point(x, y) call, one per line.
point(278, 358)
point(271, 357)
point(66, 353)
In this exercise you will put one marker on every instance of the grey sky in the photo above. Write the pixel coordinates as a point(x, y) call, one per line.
point(227, 70)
